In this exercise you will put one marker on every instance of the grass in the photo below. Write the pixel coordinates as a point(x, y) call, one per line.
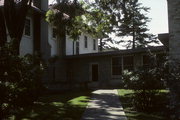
point(65, 106)
point(133, 114)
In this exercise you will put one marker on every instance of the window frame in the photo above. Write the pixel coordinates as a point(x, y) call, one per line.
point(30, 27)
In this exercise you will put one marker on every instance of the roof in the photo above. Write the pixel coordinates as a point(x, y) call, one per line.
point(120, 52)
point(164, 38)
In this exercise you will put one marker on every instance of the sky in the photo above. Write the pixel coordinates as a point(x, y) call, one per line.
point(158, 14)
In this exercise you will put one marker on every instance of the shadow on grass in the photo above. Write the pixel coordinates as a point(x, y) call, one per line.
point(159, 112)
point(63, 106)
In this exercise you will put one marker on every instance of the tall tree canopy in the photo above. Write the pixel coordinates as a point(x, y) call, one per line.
point(101, 18)
point(133, 24)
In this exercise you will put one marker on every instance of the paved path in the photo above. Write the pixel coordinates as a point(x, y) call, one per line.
point(104, 105)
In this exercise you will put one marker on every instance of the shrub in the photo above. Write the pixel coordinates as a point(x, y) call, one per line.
point(19, 81)
point(146, 83)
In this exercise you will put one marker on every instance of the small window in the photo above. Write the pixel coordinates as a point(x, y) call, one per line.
point(94, 44)
point(116, 66)
point(85, 42)
point(54, 33)
point(128, 63)
point(27, 27)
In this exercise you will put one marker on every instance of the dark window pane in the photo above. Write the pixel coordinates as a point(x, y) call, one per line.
point(116, 70)
point(128, 60)
point(146, 60)
point(128, 63)
point(116, 66)
point(27, 27)
point(85, 42)
point(94, 44)
point(54, 33)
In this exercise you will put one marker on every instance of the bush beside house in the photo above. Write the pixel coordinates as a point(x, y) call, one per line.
point(20, 81)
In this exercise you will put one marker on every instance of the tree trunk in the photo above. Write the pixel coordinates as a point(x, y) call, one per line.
point(18, 11)
point(3, 36)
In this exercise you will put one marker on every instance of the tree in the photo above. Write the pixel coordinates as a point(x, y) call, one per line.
point(90, 17)
point(13, 9)
point(133, 24)
point(19, 75)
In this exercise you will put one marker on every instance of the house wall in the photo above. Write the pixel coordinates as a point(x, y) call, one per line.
point(44, 5)
point(174, 29)
point(79, 70)
point(26, 44)
point(82, 49)
point(69, 46)
point(53, 42)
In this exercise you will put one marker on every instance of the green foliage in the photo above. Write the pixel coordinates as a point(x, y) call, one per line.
point(146, 83)
point(133, 24)
point(19, 81)
point(159, 113)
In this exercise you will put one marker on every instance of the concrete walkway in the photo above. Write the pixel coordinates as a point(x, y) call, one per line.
point(104, 105)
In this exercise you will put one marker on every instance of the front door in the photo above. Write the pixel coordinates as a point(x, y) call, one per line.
point(95, 72)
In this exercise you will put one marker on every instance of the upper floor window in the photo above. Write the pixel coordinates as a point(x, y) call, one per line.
point(94, 44)
point(85, 42)
point(27, 27)
point(54, 33)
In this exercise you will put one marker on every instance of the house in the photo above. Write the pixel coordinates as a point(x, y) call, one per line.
point(105, 69)
point(76, 63)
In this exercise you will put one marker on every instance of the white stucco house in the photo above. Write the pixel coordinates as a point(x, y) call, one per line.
point(40, 36)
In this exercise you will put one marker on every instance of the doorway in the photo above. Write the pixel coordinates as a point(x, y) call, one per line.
point(94, 72)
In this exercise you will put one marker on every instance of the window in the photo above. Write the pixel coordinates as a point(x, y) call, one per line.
point(128, 63)
point(146, 60)
point(94, 44)
point(54, 33)
point(77, 47)
point(85, 42)
point(27, 27)
point(116, 65)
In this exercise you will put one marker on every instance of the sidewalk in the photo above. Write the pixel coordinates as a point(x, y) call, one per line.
point(104, 105)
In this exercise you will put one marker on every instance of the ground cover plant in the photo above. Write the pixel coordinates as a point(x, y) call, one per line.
point(160, 113)
point(61, 106)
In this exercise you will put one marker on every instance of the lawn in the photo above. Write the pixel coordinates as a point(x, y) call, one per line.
point(64, 106)
point(132, 114)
